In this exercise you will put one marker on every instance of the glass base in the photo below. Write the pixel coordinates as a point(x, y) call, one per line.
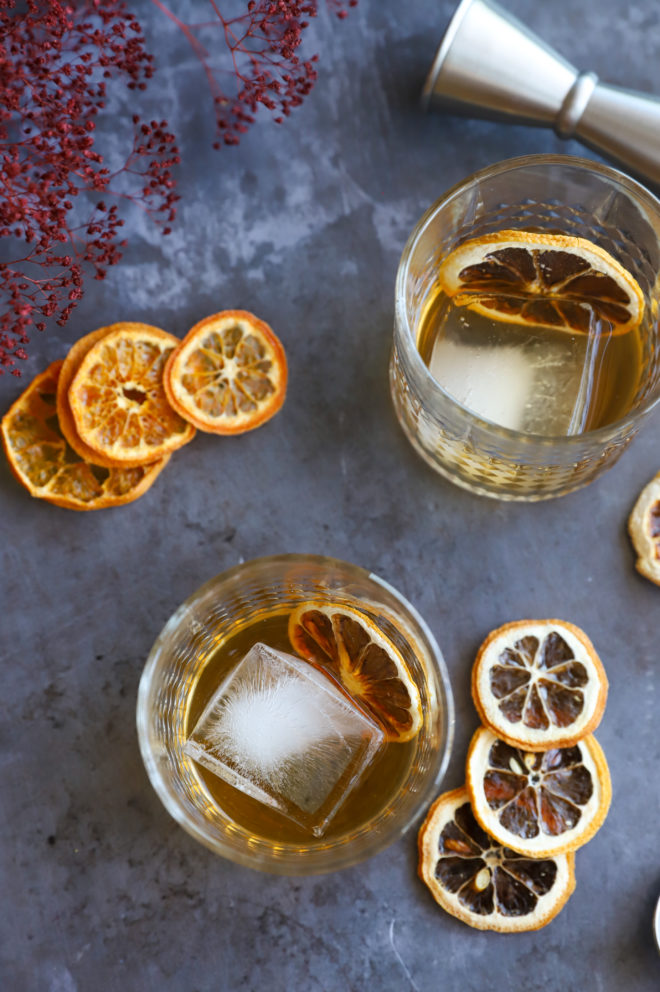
point(463, 460)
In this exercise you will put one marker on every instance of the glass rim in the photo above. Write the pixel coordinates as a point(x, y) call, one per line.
point(326, 858)
point(600, 434)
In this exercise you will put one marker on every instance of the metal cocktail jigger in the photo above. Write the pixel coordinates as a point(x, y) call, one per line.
point(490, 65)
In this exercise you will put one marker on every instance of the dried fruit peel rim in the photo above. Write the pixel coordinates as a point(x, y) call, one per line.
point(640, 530)
point(50, 376)
point(180, 399)
point(593, 813)
point(126, 332)
point(471, 252)
point(548, 906)
point(517, 734)
point(376, 637)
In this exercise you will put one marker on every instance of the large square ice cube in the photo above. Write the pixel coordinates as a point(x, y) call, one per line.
point(283, 733)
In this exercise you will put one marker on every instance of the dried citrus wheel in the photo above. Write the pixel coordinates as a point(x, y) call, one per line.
point(488, 886)
point(228, 374)
point(43, 462)
point(552, 280)
point(538, 803)
point(118, 400)
point(539, 684)
point(343, 641)
point(644, 528)
point(67, 424)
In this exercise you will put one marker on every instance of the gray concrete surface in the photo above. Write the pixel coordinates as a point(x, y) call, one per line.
point(304, 224)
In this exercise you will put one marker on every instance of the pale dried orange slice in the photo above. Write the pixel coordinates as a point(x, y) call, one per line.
point(538, 803)
point(43, 462)
point(229, 373)
point(486, 885)
point(67, 424)
point(539, 684)
point(348, 645)
point(117, 397)
point(644, 528)
point(550, 280)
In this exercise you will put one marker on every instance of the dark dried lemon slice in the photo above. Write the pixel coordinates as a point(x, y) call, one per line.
point(644, 528)
point(551, 280)
point(539, 684)
point(344, 642)
point(43, 462)
point(488, 886)
point(538, 803)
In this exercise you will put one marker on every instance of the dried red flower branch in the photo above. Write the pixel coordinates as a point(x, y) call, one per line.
point(55, 60)
point(57, 218)
point(264, 67)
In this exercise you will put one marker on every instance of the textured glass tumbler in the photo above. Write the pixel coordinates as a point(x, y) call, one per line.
point(555, 194)
point(233, 600)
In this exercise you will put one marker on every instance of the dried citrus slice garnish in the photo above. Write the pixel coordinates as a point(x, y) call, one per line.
point(45, 464)
point(229, 373)
point(551, 280)
point(349, 646)
point(538, 803)
point(644, 528)
point(67, 424)
point(117, 397)
point(488, 886)
point(539, 684)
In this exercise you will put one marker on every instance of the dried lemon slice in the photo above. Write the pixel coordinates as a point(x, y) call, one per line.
point(644, 528)
point(229, 373)
point(488, 886)
point(346, 643)
point(118, 400)
point(42, 461)
point(539, 684)
point(548, 280)
point(64, 414)
point(538, 803)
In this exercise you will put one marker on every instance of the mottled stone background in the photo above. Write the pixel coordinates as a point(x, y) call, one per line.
point(304, 224)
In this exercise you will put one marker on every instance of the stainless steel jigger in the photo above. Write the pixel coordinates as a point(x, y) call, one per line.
point(490, 65)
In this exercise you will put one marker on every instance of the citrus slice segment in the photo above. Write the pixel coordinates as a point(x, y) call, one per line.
point(538, 803)
point(539, 684)
point(644, 529)
point(46, 465)
point(486, 885)
point(348, 645)
point(229, 373)
point(67, 423)
point(549, 280)
point(117, 397)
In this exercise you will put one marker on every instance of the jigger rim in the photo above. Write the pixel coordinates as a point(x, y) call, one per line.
point(442, 52)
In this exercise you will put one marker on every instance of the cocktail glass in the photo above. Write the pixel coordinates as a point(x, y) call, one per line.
point(548, 193)
point(243, 597)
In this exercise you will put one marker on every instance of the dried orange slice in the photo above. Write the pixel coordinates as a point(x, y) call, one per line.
point(43, 462)
point(644, 528)
point(538, 803)
point(551, 280)
point(118, 400)
point(67, 424)
point(488, 886)
point(348, 645)
point(539, 684)
point(229, 373)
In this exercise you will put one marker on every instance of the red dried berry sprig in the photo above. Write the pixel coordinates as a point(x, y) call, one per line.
point(57, 218)
point(55, 61)
point(265, 69)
